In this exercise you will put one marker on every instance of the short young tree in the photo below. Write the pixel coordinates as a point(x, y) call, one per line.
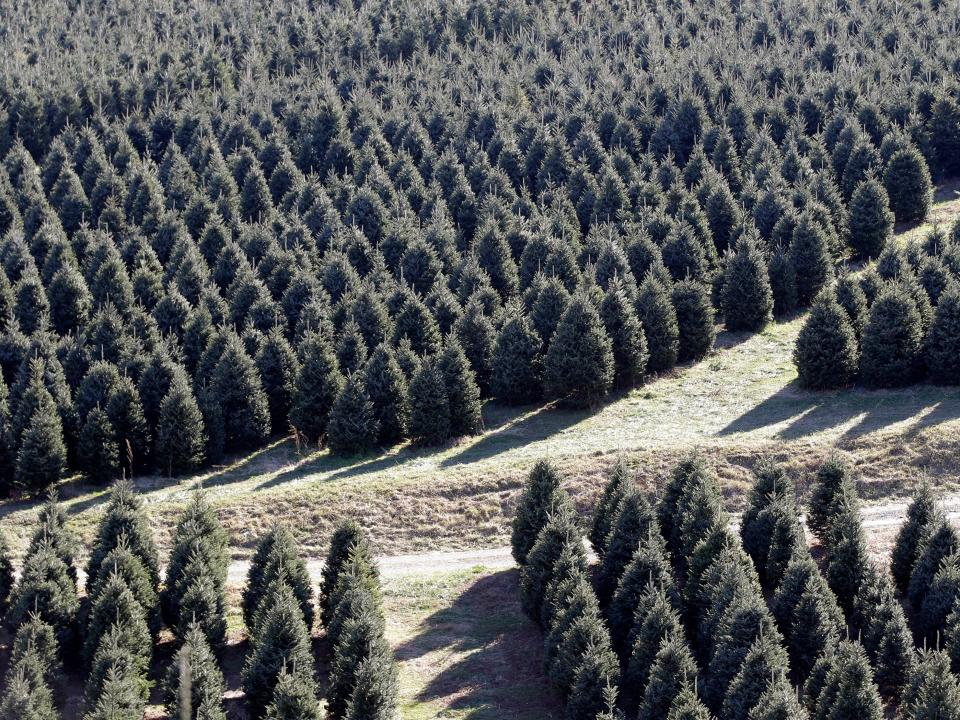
point(541, 494)
point(923, 515)
point(907, 179)
point(695, 319)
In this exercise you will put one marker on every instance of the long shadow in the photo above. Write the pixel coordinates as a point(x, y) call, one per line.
point(811, 412)
point(498, 675)
point(537, 423)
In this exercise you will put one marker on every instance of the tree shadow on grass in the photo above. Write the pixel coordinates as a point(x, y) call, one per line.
point(497, 673)
point(810, 412)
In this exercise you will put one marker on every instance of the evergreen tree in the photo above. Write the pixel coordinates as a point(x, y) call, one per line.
point(745, 620)
point(125, 412)
point(635, 522)
point(430, 419)
point(352, 428)
point(362, 639)
point(907, 179)
point(463, 395)
point(597, 671)
point(923, 515)
point(618, 484)
point(277, 364)
point(116, 605)
point(848, 564)
point(25, 700)
point(42, 458)
point(348, 538)
point(778, 702)
point(282, 640)
point(942, 542)
point(294, 697)
point(659, 320)
point(870, 222)
point(579, 365)
point(771, 485)
point(130, 569)
point(783, 282)
point(415, 322)
point(516, 364)
point(351, 348)
point(833, 485)
point(236, 385)
point(747, 298)
point(387, 388)
point(625, 332)
point(765, 659)
point(276, 556)
point(97, 453)
point(120, 698)
point(316, 388)
point(540, 496)
point(885, 634)
point(826, 353)
point(934, 691)
point(194, 683)
point(931, 616)
point(655, 620)
point(810, 257)
point(695, 319)
point(123, 519)
point(673, 671)
point(942, 343)
point(6, 575)
point(559, 533)
point(892, 340)
point(687, 706)
point(46, 589)
point(375, 692)
point(816, 622)
point(180, 430)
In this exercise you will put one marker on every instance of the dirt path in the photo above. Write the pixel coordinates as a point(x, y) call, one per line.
point(880, 520)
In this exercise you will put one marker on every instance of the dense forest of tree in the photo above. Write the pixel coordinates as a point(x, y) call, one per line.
point(106, 635)
point(681, 618)
point(221, 221)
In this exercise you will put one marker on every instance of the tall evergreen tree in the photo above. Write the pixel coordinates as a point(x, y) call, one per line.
point(907, 179)
point(942, 342)
point(810, 257)
point(540, 495)
point(626, 334)
point(352, 427)
point(659, 319)
point(180, 431)
point(194, 683)
point(673, 671)
point(870, 222)
point(276, 556)
point(746, 296)
point(386, 386)
point(277, 365)
point(892, 340)
point(463, 394)
point(695, 319)
point(923, 515)
point(579, 365)
point(316, 388)
point(516, 365)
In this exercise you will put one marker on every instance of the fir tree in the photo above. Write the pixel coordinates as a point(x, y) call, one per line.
point(673, 670)
point(46, 588)
point(42, 458)
point(618, 484)
point(277, 364)
point(892, 340)
point(598, 670)
point(635, 522)
point(25, 700)
point(361, 640)
point(120, 697)
point(180, 430)
point(942, 542)
point(294, 697)
point(245, 411)
point(655, 620)
point(317, 386)
point(579, 365)
point(463, 395)
point(516, 364)
point(848, 565)
point(540, 496)
point(123, 519)
point(778, 702)
point(97, 453)
point(765, 659)
point(430, 419)
point(783, 282)
point(885, 634)
point(687, 706)
point(826, 353)
point(194, 683)
point(659, 319)
point(942, 342)
point(907, 179)
point(386, 386)
point(276, 556)
point(558, 533)
point(352, 428)
point(870, 222)
point(282, 640)
point(923, 515)
point(833, 484)
point(816, 622)
point(695, 319)
point(626, 334)
point(810, 257)
point(746, 297)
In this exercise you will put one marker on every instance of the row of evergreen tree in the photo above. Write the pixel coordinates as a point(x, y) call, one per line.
point(679, 618)
point(216, 259)
point(891, 324)
point(108, 637)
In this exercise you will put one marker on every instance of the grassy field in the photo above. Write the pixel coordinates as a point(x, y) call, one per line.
point(739, 403)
